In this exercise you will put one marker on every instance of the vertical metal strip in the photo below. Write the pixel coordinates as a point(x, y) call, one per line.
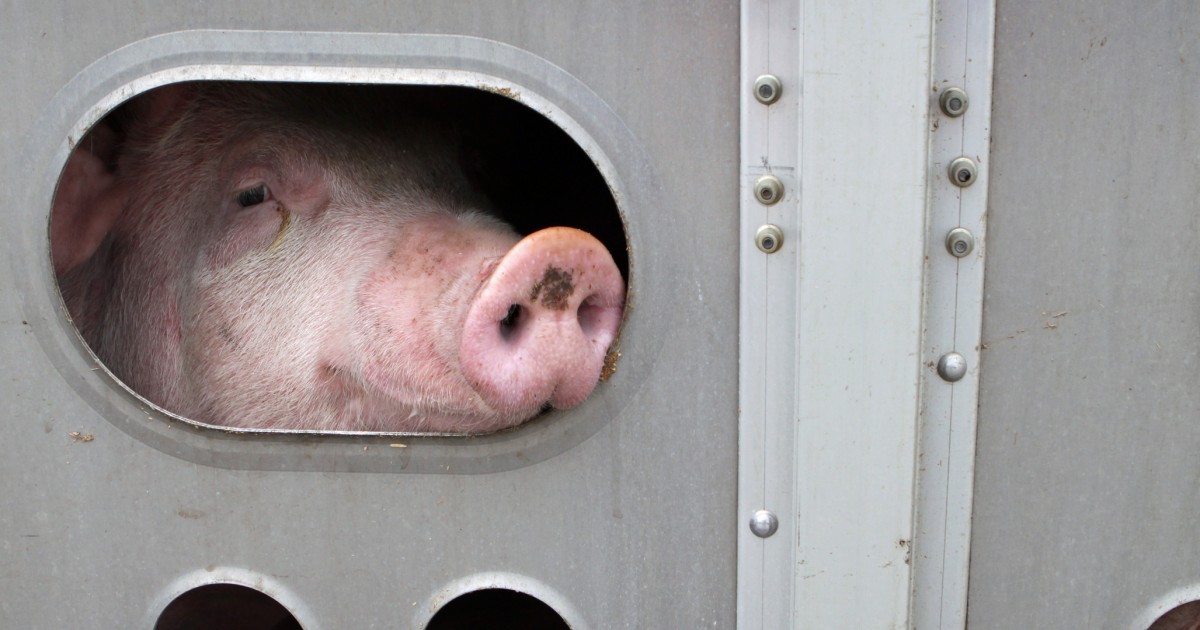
point(953, 314)
point(865, 151)
point(768, 305)
point(830, 326)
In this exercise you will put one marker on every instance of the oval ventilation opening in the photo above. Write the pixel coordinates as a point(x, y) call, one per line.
point(322, 257)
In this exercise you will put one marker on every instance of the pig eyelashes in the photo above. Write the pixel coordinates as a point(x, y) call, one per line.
point(253, 196)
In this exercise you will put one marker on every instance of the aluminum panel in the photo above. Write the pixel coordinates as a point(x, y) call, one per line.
point(1087, 484)
point(831, 334)
point(100, 533)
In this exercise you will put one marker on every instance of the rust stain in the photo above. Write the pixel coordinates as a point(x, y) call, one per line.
point(503, 91)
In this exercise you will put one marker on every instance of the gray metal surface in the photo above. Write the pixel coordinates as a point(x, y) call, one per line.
point(1088, 478)
point(954, 290)
point(102, 533)
point(832, 322)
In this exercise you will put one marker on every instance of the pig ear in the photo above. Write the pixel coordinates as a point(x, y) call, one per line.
point(91, 194)
point(160, 107)
point(88, 202)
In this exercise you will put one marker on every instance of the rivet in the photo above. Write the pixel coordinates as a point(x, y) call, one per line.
point(769, 238)
point(959, 242)
point(953, 102)
point(767, 89)
point(963, 172)
point(952, 367)
point(763, 523)
point(768, 190)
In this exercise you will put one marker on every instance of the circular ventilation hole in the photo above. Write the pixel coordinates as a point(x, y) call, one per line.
point(498, 609)
point(1182, 617)
point(225, 606)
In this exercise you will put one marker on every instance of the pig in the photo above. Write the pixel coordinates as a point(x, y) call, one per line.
point(274, 256)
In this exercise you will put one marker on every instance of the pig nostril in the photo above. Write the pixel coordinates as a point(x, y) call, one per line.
point(588, 315)
point(509, 324)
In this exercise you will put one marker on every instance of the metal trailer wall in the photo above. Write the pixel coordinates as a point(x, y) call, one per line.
point(1087, 488)
point(626, 512)
point(627, 526)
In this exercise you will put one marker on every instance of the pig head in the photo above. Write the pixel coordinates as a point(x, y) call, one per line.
point(265, 256)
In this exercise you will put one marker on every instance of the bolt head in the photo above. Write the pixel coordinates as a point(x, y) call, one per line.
point(952, 367)
point(764, 524)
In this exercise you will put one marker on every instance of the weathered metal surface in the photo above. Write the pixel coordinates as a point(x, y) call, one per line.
point(1088, 482)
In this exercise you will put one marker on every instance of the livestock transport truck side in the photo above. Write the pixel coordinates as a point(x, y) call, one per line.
point(758, 314)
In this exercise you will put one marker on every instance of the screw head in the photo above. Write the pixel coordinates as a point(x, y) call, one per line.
point(767, 89)
point(763, 523)
point(769, 238)
point(963, 172)
point(768, 190)
point(953, 102)
point(960, 242)
point(952, 367)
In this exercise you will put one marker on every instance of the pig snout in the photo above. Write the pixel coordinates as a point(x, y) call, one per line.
point(540, 326)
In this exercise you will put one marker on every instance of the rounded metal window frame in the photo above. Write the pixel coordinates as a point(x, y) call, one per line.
point(360, 59)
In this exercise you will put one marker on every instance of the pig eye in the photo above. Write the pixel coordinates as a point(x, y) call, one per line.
point(252, 196)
